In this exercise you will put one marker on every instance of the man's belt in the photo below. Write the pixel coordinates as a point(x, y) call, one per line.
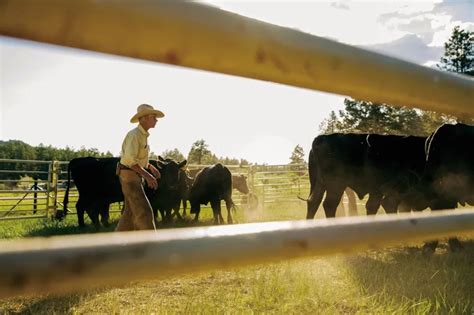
point(121, 167)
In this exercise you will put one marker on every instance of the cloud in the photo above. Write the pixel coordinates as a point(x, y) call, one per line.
point(409, 47)
point(459, 10)
point(340, 5)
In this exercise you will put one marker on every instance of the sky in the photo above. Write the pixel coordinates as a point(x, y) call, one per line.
point(67, 97)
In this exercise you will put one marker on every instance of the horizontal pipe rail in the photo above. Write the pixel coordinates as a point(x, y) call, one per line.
point(203, 37)
point(22, 172)
point(16, 210)
point(21, 180)
point(24, 161)
point(70, 263)
point(24, 217)
point(3, 191)
point(26, 198)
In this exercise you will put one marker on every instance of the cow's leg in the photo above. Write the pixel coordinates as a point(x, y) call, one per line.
point(314, 200)
point(390, 204)
point(196, 208)
point(185, 205)
point(455, 245)
point(216, 210)
point(80, 208)
point(429, 247)
point(104, 215)
point(333, 197)
point(373, 204)
point(93, 213)
point(229, 204)
point(168, 216)
point(404, 208)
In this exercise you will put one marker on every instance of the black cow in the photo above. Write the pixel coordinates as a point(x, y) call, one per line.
point(449, 171)
point(239, 182)
point(212, 184)
point(385, 167)
point(450, 165)
point(175, 196)
point(99, 186)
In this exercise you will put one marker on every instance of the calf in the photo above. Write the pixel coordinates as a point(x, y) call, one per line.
point(212, 184)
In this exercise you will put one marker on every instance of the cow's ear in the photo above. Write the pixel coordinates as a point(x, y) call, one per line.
point(155, 163)
point(182, 163)
point(160, 158)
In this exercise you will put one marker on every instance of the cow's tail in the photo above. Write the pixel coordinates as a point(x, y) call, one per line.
point(227, 183)
point(66, 195)
point(316, 184)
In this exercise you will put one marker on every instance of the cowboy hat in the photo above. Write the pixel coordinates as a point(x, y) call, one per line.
point(145, 109)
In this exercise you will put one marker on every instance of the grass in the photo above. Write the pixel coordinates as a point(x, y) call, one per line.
point(390, 281)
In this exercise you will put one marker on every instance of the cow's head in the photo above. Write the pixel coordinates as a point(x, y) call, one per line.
point(185, 181)
point(170, 173)
point(240, 183)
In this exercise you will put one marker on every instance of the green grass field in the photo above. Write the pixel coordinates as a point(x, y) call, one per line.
point(391, 281)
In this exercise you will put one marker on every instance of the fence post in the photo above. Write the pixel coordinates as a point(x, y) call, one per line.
point(250, 176)
point(48, 187)
point(52, 192)
point(35, 196)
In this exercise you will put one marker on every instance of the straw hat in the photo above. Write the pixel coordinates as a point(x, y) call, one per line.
point(145, 109)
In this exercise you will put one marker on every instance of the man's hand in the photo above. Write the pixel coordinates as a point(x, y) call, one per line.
point(154, 171)
point(151, 181)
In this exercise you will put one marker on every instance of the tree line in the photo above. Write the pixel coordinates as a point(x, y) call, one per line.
point(199, 154)
point(361, 116)
point(19, 150)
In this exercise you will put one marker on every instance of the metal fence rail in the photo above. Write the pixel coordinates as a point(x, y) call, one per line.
point(69, 263)
point(199, 36)
point(26, 191)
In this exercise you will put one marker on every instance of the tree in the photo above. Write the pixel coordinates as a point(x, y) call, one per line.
point(199, 153)
point(330, 124)
point(368, 117)
point(459, 52)
point(297, 156)
point(174, 154)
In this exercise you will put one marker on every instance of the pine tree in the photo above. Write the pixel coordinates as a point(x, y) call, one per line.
point(199, 153)
point(459, 52)
point(368, 117)
point(174, 154)
point(297, 156)
point(330, 124)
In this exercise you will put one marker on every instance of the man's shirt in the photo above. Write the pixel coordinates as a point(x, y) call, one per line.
point(135, 149)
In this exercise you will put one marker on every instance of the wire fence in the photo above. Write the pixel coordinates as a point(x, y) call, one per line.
point(35, 189)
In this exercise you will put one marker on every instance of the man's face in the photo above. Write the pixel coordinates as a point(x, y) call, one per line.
point(150, 121)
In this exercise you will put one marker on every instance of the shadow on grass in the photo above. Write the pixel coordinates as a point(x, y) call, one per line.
point(444, 282)
point(52, 304)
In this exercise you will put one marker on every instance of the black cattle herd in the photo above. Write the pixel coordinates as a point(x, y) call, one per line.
point(396, 172)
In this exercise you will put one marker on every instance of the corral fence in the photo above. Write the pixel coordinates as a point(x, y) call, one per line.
point(35, 189)
point(202, 37)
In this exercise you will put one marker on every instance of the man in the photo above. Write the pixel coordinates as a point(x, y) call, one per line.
point(133, 165)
